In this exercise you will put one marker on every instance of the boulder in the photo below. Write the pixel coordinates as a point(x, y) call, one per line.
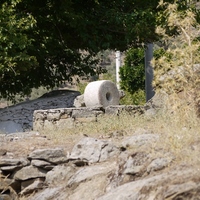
point(48, 193)
point(179, 185)
point(89, 172)
point(91, 150)
point(59, 174)
point(54, 156)
point(79, 101)
point(31, 186)
point(29, 172)
point(139, 140)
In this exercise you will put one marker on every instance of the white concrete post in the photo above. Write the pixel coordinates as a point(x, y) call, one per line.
point(118, 65)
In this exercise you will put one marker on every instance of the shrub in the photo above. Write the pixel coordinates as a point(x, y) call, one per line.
point(137, 98)
point(132, 73)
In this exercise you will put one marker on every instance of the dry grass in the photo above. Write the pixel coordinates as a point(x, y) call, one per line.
point(177, 71)
point(179, 134)
point(179, 131)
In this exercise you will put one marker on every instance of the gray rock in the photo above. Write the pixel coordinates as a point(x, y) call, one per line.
point(139, 140)
point(48, 194)
point(9, 168)
point(92, 150)
point(59, 174)
point(34, 186)
point(55, 156)
point(40, 163)
point(156, 187)
point(9, 162)
point(10, 126)
point(91, 185)
point(79, 101)
point(29, 172)
point(13, 162)
point(158, 164)
point(87, 173)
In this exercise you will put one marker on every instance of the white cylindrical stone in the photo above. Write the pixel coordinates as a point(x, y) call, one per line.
point(101, 93)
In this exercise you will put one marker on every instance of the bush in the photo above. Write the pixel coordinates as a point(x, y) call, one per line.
point(137, 98)
point(132, 73)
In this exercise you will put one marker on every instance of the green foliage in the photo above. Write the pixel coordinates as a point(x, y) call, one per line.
point(15, 43)
point(48, 42)
point(137, 98)
point(132, 74)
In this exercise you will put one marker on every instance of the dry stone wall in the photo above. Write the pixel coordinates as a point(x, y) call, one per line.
point(27, 174)
point(19, 118)
point(58, 110)
point(70, 117)
point(55, 110)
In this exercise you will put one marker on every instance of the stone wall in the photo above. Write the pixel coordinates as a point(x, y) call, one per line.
point(54, 110)
point(19, 118)
point(70, 117)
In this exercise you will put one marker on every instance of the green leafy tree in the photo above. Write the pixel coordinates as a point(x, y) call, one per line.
point(47, 42)
point(15, 43)
point(58, 39)
point(132, 73)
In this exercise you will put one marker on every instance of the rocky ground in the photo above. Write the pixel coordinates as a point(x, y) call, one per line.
point(144, 159)
point(119, 166)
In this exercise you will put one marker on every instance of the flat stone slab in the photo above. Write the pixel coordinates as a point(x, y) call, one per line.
point(29, 172)
point(10, 127)
point(55, 156)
